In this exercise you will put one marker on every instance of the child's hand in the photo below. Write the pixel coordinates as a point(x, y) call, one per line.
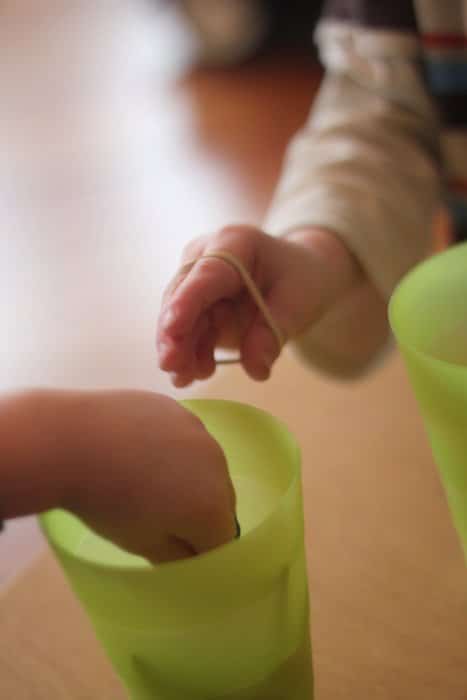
point(300, 277)
point(147, 475)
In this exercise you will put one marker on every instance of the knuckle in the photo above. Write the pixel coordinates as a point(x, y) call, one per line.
point(237, 235)
point(208, 267)
point(193, 248)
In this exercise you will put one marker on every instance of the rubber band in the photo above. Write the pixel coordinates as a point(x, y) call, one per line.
point(255, 293)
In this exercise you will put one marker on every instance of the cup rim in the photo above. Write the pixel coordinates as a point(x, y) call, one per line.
point(396, 301)
point(144, 569)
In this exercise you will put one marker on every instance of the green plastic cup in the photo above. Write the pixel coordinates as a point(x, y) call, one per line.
point(232, 624)
point(428, 313)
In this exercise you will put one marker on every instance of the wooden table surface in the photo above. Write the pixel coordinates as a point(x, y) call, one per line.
point(110, 169)
point(387, 578)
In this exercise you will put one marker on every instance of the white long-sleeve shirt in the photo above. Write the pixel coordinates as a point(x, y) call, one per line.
point(386, 140)
point(386, 136)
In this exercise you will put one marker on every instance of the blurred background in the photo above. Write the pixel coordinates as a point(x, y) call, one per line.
point(115, 152)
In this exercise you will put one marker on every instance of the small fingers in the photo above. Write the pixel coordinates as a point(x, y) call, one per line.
point(199, 300)
point(169, 549)
point(205, 360)
point(260, 350)
point(215, 527)
point(209, 281)
point(263, 344)
point(191, 252)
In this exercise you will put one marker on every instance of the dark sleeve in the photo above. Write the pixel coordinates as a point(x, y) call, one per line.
point(396, 15)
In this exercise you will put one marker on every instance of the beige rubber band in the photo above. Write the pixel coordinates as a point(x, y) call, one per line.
point(252, 288)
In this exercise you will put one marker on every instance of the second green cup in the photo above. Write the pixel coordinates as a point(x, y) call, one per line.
point(428, 314)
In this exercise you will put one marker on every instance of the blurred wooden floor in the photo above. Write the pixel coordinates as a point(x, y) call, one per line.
point(113, 157)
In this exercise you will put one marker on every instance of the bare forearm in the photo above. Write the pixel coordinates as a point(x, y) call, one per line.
point(128, 463)
point(34, 451)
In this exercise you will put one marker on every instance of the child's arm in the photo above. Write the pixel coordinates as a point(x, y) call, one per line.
point(358, 194)
point(136, 466)
point(367, 165)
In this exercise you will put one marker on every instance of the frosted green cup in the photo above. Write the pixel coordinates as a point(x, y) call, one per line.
point(232, 624)
point(428, 314)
